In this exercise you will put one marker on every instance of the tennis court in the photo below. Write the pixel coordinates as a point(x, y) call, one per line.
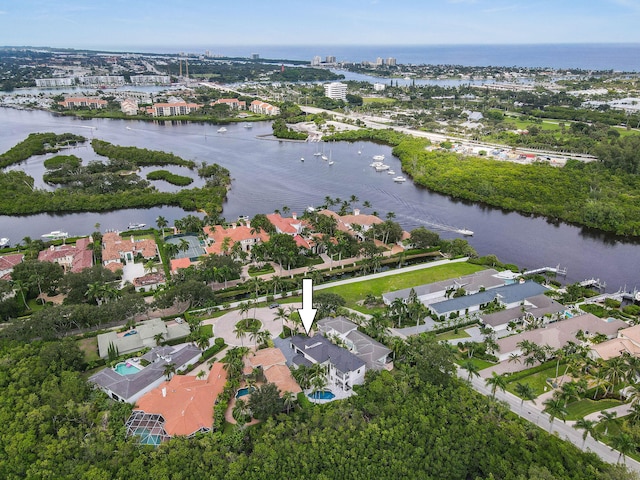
point(195, 250)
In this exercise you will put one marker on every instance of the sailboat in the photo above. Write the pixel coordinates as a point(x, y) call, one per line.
point(318, 152)
point(324, 157)
point(330, 161)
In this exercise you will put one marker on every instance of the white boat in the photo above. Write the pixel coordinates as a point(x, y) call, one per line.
point(399, 179)
point(136, 226)
point(359, 152)
point(317, 154)
point(324, 157)
point(465, 232)
point(310, 209)
point(248, 125)
point(390, 172)
point(222, 130)
point(302, 159)
point(375, 164)
point(55, 235)
point(331, 162)
point(4, 242)
point(378, 158)
point(381, 168)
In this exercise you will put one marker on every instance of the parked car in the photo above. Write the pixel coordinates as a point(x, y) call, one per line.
point(274, 305)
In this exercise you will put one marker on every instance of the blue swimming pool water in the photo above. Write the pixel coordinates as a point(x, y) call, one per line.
point(132, 332)
point(126, 369)
point(244, 391)
point(322, 395)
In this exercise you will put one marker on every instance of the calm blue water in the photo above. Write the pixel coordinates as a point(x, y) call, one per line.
point(322, 395)
point(625, 57)
point(244, 391)
point(124, 369)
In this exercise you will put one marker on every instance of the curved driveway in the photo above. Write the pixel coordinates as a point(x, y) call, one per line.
point(225, 325)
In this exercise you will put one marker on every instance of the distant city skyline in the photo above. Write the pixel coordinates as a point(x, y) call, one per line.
point(144, 24)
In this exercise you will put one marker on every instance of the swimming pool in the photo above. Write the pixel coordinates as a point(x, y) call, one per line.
point(130, 332)
point(322, 395)
point(126, 368)
point(244, 391)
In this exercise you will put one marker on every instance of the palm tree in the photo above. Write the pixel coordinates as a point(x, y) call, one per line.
point(607, 418)
point(288, 400)
point(555, 409)
point(239, 332)
point(525, 392)
point(161, 222)
point(281, 314)
point(183, 246)
point(634, 413)
point(471, 368)
point(202, 342)
point(614, 371)
point(496, 381)
point(21, 287)
point(515, 358)
point(244, 308)
point(588, 428)
point(201, 374)
point(624, 444)
point(169, 369)
point(171, 249)
point(254, 334)
point(239, 412)
point(158, 338)
point(149, 266)
point(277, 283)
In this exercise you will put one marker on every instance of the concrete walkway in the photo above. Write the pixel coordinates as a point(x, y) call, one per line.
point(225, 325)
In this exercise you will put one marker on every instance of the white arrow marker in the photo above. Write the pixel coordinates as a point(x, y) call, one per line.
point(307, 312)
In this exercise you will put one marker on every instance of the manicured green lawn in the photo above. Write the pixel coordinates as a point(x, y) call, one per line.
point(481, 364)
point(581, 408)
point(353, 292)
point(538, 381)
point(378, 100)
point(268, 269)
point(452, 335)
point(207, 330)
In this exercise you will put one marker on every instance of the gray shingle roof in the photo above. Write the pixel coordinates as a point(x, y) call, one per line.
point(473, 282)
point(507, 294)
point(127, 386)
point(322, 350)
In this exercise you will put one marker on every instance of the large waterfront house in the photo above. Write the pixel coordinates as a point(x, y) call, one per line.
point(506, 296)
point(558, 334)
point(627, 342)
point(172, 109)
point(344, 369)
point(221, 239)
point(181, 406)
point(7, 263)
point(355, 224)
point(438, 291)
point(72, 258)
point(232, 103)
point(130, 380)
point(536, 310)
point(375, 355)
point(264, 108)
point(116, 251)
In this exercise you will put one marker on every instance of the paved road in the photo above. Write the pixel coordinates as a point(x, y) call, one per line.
point(534, 414)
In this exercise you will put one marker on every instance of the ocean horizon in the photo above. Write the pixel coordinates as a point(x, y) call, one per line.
point(587, 56)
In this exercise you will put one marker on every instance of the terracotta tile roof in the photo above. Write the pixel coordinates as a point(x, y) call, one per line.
point(632, 333)
point(281, 376)
point(237, 233)
point(266, 357)
point(10, 261)
point(74, 258)
point(285, 225)
point(149, 279)
point(615, 347)
point(114, 247)
point(273, 364)
point(301, 242)
point(187, 403)
point(114, 266)
point(178, 263)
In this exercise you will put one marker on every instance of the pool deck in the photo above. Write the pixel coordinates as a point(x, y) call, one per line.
point(338, 392)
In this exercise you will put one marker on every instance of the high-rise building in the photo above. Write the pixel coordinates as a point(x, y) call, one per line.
point(335, 90)
point(316, 61)
point(391, 62)
point(330, 59)
point(379, 62)
point(255, 56)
